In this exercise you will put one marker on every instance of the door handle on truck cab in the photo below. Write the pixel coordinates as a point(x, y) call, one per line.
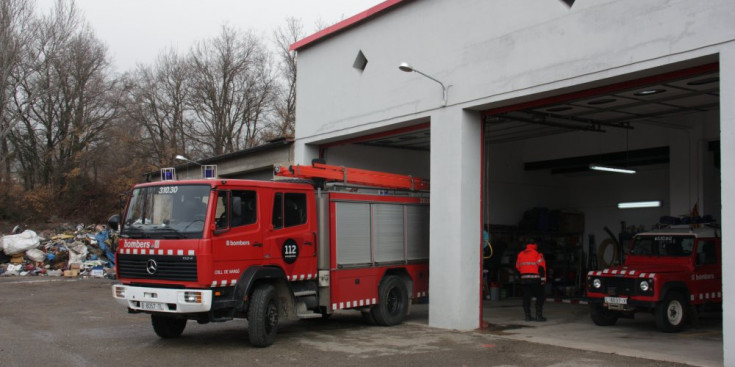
point(257, 244)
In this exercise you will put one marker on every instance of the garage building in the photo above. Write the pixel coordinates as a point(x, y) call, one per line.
point(506, 106)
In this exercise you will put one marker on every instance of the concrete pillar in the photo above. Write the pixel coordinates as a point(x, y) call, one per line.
point(454, 281)
point(304, 152)
point(727, 147)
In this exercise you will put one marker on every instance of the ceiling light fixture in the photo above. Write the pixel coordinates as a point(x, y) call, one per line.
point(639, 204)
point(598, 167)
point(649, 92)
point(404, 66)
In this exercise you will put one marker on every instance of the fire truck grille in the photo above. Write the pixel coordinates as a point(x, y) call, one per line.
point(619, 286)
point(182, 268)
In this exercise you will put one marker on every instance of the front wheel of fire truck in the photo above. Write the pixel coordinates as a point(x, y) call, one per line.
point(168, 327)
point(670, 314)
point(601, 316)
point(263, 316)
point(393, 301)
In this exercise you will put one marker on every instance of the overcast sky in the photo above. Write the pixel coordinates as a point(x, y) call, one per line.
point(136, 31)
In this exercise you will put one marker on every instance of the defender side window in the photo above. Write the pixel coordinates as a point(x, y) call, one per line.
point(707, 252)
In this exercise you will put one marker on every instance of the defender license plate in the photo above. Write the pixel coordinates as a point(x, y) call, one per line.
point(616, 301)
point(152, 306)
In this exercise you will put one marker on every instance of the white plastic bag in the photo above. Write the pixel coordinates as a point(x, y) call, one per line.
point(17, 243)
point(36, 255)
point(77, 253)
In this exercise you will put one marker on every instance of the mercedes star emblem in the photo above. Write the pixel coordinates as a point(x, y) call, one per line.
point(151, 266)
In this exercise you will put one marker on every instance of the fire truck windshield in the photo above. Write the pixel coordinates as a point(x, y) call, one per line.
point(663, 245)
point(166, 211)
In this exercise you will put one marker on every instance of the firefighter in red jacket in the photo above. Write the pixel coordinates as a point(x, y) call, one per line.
point(531, 265)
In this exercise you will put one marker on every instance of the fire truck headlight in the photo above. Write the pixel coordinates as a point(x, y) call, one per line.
point(119, 292)
point(645, 285)
point(597, 283)
point(193, 297)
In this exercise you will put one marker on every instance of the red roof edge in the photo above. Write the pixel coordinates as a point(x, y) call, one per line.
point(347, 23)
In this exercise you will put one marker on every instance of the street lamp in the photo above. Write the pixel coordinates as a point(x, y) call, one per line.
point(182, 158)
point(404, 66)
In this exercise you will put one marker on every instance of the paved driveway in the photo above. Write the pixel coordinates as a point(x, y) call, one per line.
point(75, 322)
point(569, 325)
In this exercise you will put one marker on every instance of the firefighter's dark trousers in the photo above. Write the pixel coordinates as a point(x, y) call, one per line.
point(533, 288)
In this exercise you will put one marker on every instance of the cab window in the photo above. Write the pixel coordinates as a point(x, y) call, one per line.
point(289, 209)
point(244, 208)
point(236, 208)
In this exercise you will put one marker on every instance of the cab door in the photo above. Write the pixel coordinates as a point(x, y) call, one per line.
point(238, 239)
point(291, 236)
point(707, 278)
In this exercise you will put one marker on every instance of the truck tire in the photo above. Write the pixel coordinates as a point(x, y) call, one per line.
point(167, 327)
point(393, 300)
point(263, 316)
point(671, 313)
point(601, 316)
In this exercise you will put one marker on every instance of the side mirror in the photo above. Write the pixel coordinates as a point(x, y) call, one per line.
point(114, 222)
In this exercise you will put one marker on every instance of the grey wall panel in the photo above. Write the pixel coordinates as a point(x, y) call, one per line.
point(388, 232)
point(353, 233)
point(417, 230)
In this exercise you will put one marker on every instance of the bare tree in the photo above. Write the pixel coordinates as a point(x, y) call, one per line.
point(65, 100)
point(232, 88)
point(285, 101)
point(16, 24)
point(158, 96)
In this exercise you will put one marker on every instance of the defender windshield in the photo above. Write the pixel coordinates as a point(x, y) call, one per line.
point(663, 245)
point(170, 211)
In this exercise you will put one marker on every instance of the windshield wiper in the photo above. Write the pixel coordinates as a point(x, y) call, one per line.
point(172, 233)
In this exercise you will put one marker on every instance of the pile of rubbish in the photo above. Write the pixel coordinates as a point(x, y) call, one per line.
point(86, 251)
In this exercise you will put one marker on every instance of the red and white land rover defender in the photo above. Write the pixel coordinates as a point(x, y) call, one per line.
point(216, 249)
point(670, 272)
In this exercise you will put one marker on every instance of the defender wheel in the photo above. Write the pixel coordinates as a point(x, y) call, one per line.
point(263, 316)
point(671, 313)
point(393, 301)
point(167, 327)
point(602, 316)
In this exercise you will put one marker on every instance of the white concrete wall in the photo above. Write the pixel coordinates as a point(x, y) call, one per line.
point(727, 133)
point(492, 53)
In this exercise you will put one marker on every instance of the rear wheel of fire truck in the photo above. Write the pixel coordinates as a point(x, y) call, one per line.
point(601, 316)
point(671, 313)
point(167, 327)
point(393, 300)
point(263, 316)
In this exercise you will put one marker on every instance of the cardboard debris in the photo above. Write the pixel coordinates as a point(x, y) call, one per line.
point(72, 251)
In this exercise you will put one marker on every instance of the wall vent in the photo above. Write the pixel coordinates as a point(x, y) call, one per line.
point(360, 61)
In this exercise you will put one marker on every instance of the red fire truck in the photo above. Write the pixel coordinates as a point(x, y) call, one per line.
point(671, 272)
point(324, 239)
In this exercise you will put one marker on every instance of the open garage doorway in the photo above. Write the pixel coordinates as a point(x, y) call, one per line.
point(539, 182)
point(402, 150)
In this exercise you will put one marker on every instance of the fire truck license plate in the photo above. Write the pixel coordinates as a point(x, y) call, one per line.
point(616, 301)
point(152, 306)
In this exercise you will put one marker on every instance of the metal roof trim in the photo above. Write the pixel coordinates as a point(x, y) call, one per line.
point(347, 23)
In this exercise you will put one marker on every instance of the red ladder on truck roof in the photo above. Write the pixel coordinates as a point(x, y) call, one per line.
point(354, 176)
